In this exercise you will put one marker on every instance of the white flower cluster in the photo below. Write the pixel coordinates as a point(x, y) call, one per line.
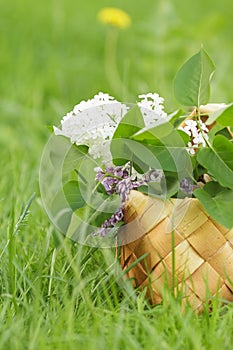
point(94, 121)
point(99, 99)
point(151, 106)
point(198, 137)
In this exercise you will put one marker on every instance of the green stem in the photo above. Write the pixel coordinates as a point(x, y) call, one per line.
point(111, 68)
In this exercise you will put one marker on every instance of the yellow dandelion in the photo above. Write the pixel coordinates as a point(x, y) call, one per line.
point(114, 17)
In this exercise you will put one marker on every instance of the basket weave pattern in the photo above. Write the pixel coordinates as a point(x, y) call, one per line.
point(203, 249)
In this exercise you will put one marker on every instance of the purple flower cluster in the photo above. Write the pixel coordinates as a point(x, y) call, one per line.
point(110, 177)
point(187, 186)
point(118, 180)
point(116, 218)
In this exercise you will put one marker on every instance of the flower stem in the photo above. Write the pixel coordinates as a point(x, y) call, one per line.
point(111, 68)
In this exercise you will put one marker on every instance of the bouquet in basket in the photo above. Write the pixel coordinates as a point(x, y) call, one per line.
point(119, 147)
point(158, 185)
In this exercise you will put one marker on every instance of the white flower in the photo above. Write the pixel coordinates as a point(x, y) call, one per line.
point(99, 99)
point(93, 122)
point(103, 98)
point(200, 140)
point(198, 137)
point(151, 106)
point(190, 127)
point(190, 149)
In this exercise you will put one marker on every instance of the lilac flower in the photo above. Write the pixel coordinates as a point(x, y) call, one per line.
point(153, 175)
point(118, 180)
point(109, 184)
point(110, 170)
point(116, 218)
point(118, 171)
point(99, 174)
point(123, 189)
point(187, 186)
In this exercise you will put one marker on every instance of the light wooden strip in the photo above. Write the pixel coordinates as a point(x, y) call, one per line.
point(206, 240)
point(186, 260)
point(205, 281)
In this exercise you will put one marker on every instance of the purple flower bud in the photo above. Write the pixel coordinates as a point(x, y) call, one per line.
point(116, 218)
point(99, 174)
point(118, 171)
point(102, 232)
point(109, 184)
point(187, 186)
point(123, 188)
point(109, 170)
point(119, 214)
point(153, 175)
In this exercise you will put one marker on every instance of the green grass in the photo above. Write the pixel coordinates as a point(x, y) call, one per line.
point(55, 294)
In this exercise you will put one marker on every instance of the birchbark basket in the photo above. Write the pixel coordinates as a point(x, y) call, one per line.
point(183, 249)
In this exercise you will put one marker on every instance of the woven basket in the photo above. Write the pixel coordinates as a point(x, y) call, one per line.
point(200, 264)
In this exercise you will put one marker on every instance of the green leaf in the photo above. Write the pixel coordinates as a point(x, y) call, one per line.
point(225, 150)
point(218, 160)
point(79, 228)
point(60, 211)
point(73, 195)
point(164, 134)
point(225, 132)
point(125, 150)
point(223, 115)
point(156, 134)
point(74, 157)
point(178, 121)
point(191, 84)
point(172, 185)
point(217, 201)
point(184, 136)
point(104, 209)
point(141, 156)
point(131, 123)
point(176, 117)
point(146, 155)
point(226, 117)
point(213, 116)
point(174, 159)
point(119, 152)
point(168, 147)
point(214, 131)
point(176, 114)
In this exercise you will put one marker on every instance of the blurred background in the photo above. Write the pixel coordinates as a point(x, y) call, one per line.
point(52, 55)
point(55, 293)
